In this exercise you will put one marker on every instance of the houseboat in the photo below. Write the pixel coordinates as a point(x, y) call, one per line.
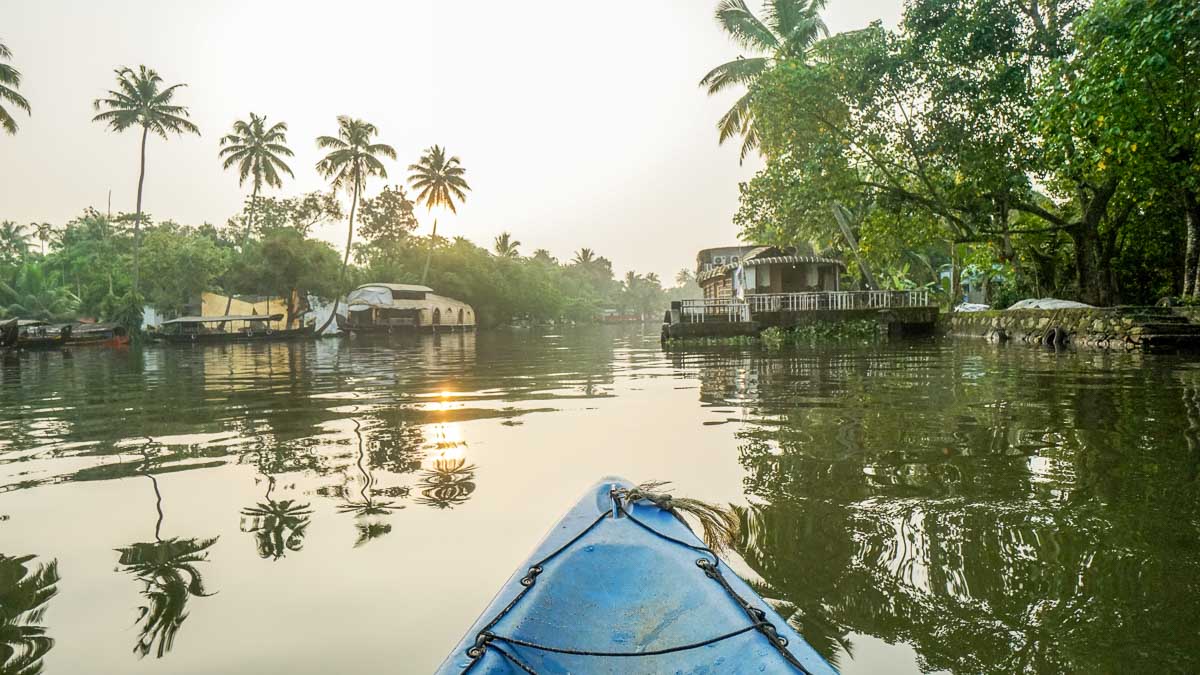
point(36, 334)
point(386, 309)
point(738, 271)
point(750, 288)
point(232, 328)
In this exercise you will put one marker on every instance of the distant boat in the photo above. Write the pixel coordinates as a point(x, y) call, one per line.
point(38, 334)
point(98, 334)
point(388, 309)
point(243, 328)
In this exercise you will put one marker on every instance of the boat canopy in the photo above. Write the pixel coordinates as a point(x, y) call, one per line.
point(220, 319)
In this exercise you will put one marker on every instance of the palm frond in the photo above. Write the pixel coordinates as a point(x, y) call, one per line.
point(746, 29)
point(740, 71)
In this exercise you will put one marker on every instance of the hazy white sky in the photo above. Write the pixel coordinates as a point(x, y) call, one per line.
point(579, 124)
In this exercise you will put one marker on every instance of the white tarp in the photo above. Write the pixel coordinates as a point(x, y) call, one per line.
point(1048, 303)
point(371, 296)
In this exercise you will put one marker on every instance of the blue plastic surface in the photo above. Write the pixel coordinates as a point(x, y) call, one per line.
point(622, 589)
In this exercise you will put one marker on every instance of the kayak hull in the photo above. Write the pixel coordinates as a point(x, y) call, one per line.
point(632, 599)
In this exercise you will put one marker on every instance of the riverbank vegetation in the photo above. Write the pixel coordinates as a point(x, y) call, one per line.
point(267, 249)
point(109, 266)
point(1047, 149)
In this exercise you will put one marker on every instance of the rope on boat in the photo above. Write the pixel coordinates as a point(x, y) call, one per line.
point(710, 564)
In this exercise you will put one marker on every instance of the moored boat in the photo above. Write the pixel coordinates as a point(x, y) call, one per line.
point(241, 328)
point(98, 334)
point(390, 309)
point(38, 334)
point(621, 585)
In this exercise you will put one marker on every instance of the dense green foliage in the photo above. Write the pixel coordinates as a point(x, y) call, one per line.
point(87, 268)
point(1055, 140)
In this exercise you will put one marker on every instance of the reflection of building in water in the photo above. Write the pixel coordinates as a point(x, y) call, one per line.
point(26, 588)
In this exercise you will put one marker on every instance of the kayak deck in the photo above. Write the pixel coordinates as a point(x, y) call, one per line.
point(628, 591)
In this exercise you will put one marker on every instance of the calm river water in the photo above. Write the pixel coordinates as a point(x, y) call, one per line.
point(350, 507)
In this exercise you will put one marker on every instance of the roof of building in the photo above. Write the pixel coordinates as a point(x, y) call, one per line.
point(411, 288)
point(358, 301)
point(218, 319)
point(755, 258)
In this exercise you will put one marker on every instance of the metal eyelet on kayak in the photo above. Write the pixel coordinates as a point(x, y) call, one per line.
point(481, 642)
point(531, 577)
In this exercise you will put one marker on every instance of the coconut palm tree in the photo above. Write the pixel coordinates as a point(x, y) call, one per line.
point(24, 592)
point(584, 257)
point(10, 81)
point(505, 246)
point(439, 181)
point(790, 28)
point(14, 242)
point(351, 160)
point(141, 100)
point(43, 232)
point(256, 149)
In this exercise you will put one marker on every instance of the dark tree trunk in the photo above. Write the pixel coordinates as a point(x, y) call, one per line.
point(245, 238)
point(1091, 269)
point(429, 255)
point(1191, 264)
point(137, 220)
point(291, 308)
point(345, 261)
point(1093, 255)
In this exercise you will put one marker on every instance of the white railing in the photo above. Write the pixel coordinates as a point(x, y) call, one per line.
point(725, 309)
point(732, 310)
point(838, 300)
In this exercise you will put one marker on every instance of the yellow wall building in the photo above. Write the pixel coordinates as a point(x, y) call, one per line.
point(213, 304)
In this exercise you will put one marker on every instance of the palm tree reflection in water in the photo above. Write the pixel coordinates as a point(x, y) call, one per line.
point(168, 568)
point(23, 597)
point(278, 526)
point(449, 482)
point(366, 510)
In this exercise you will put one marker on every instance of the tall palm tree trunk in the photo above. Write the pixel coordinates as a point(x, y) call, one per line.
point(245, 238)
point(429, 255)
point(137, 220)
point(345, 258)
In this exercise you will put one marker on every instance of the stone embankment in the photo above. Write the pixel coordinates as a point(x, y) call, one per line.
point(1129, 328)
